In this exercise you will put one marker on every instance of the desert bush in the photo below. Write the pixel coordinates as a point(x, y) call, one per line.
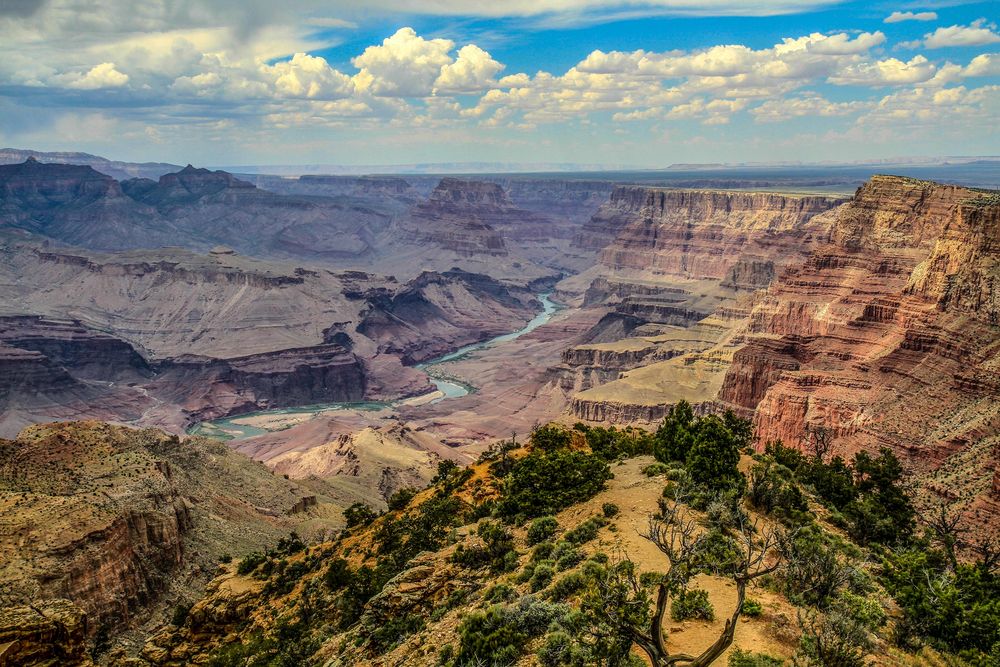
point(566, 555)
point(610, 510)
point(250, 562)
point(741, 658)
point(180, 614)
point(692, 603)
point(654, 469)
point(585, 531)
point(751, 608)
point(541, 576)
point(542, 529)
point(401, 498)
point(359, 514)
point(500, 593)
point(567, 586)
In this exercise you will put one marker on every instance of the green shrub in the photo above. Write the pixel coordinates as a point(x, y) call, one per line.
point(496, 551)
point(446, 654)
point(610, 443)
point(250, 563)
point(610, 510)
point(394, 630)
point(585, 531)
point(499, 635)
point(542, 551)
point(718, 554)
point(180, 614)
point(490, 638)
point(550, 438)
point(673, 439)
point(500, 593)
point(565, 555)
point(692, 603)
point(567, 586)
point(359, 514)
point(559, 650)
point(541, 576)
point(751, 608)
point(741, 658)
point(714, 456)
point(337, 575)
point(546, 482)
point(401, 498)
point(654, 469)
point(542, 528)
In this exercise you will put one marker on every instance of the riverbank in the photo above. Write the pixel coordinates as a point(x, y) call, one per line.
point(248, 425)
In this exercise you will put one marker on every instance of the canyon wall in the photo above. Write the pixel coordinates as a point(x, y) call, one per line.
point(887, 335)
point(675, 275)
point(700, 234)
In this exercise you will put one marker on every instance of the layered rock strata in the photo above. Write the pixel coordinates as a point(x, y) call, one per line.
point(887, 334)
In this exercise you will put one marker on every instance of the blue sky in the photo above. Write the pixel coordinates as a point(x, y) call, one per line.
point(620, 82)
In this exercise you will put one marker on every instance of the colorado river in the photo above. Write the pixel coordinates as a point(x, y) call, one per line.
point(250, 424)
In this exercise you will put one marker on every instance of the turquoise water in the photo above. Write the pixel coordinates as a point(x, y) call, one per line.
point(449, 387)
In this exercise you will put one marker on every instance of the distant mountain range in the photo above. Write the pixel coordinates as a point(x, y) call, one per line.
point(115, 168)
point(121, 170)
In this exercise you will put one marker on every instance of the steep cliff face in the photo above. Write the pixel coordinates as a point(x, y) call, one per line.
point(887, 334)
point(115, 519)
point(208, 388)
point(570, 201)
point(379, 187)
point(460, 216)
point(677, 270)
point(699, 234)
point(86, 353)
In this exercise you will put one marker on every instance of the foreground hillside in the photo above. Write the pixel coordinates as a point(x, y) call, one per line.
point(115, 525)
point(581, 549)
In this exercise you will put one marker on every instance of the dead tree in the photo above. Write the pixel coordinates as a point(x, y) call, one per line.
point(679, 538)
point(819, 440)
point(947, 530)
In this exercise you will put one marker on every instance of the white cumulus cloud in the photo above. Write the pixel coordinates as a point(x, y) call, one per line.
point(404, 65)
point(889, 72)
point(899, 17)
point(979, 33)
point(473, 70)
point(104, 75)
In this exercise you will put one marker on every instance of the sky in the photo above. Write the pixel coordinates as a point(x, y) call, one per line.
point(637, 83)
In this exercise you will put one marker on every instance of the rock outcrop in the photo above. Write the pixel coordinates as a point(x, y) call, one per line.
point(48, 632)
point(192, 208)
point(105, 516)
point(460, 216)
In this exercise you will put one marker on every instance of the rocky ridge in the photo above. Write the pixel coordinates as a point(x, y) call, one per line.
point(119, 521)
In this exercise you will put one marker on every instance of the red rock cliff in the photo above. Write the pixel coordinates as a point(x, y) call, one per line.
point(887, 334)
point(700, 234)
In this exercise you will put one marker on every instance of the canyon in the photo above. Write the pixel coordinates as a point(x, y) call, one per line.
point(306, 310)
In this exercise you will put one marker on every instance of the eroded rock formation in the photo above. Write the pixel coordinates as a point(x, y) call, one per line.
point(103, 515)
